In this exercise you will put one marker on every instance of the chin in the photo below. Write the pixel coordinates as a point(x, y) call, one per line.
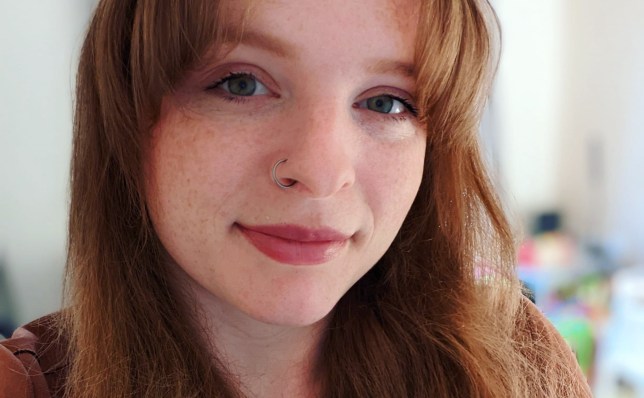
point(300, 312)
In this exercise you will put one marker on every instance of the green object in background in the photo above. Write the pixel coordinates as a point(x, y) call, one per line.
point(578, 332)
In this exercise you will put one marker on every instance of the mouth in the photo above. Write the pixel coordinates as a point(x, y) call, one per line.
point(295, 245)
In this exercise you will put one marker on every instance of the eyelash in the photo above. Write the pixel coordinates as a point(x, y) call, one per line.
point(229, 76)
point(227, 96)
point(406, 103)
point(409, 106)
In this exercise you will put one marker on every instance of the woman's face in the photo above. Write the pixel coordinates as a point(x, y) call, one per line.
point(327, 85)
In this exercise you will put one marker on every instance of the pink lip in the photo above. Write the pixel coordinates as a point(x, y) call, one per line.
point(295, 245)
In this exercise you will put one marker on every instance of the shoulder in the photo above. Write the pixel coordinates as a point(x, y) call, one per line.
point(32, 361)
point(14, 378)
point(546, 349)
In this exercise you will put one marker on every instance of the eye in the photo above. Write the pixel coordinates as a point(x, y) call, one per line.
point(240, 84)
point(388, 104)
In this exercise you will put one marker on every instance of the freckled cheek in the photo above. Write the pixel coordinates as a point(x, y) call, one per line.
point(183, 210)
point(393, 182)
point(177, 183)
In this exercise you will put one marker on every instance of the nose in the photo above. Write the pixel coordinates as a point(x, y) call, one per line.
point(321, 148)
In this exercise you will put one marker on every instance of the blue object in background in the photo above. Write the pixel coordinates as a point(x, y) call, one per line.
point(6, 304)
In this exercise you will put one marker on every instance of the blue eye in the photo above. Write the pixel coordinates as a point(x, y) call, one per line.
point(382, 104)
point(387, 104)
point(241, 84)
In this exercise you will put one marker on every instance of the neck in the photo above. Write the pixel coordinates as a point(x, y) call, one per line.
point(268, 360)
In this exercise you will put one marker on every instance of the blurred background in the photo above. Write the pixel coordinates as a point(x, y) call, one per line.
point(564, 133)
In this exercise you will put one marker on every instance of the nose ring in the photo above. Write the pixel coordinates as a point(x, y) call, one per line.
point(276, 178)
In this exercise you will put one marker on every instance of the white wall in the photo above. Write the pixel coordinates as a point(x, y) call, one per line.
point(603, 188)
point(38, 42)
point(527, 102)
point(570, 107)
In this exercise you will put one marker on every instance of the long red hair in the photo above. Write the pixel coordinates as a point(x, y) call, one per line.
point(422, 323)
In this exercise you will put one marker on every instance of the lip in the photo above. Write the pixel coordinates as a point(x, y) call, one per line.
point(294, 244)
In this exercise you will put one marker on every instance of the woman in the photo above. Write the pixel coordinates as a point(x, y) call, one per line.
point(286, 198)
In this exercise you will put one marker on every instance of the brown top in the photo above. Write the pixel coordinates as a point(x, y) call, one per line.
point(32, 363)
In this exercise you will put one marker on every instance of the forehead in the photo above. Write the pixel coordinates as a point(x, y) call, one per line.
point(397, 12)
point(371, 23)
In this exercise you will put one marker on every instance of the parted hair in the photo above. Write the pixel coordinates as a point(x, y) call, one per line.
point(439, 315)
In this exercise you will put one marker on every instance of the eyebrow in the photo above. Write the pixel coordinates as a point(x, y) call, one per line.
point(267, 42)
point(390, 66)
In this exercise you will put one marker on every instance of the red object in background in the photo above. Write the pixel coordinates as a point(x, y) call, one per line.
point(526, 253)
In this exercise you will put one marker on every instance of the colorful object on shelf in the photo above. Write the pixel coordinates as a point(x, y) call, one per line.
point(620, 359)
point(578, 332)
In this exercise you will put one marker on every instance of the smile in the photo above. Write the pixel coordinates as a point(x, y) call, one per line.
point(295, 245)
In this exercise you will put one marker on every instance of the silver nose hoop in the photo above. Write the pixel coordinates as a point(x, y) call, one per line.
point(276, 179)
